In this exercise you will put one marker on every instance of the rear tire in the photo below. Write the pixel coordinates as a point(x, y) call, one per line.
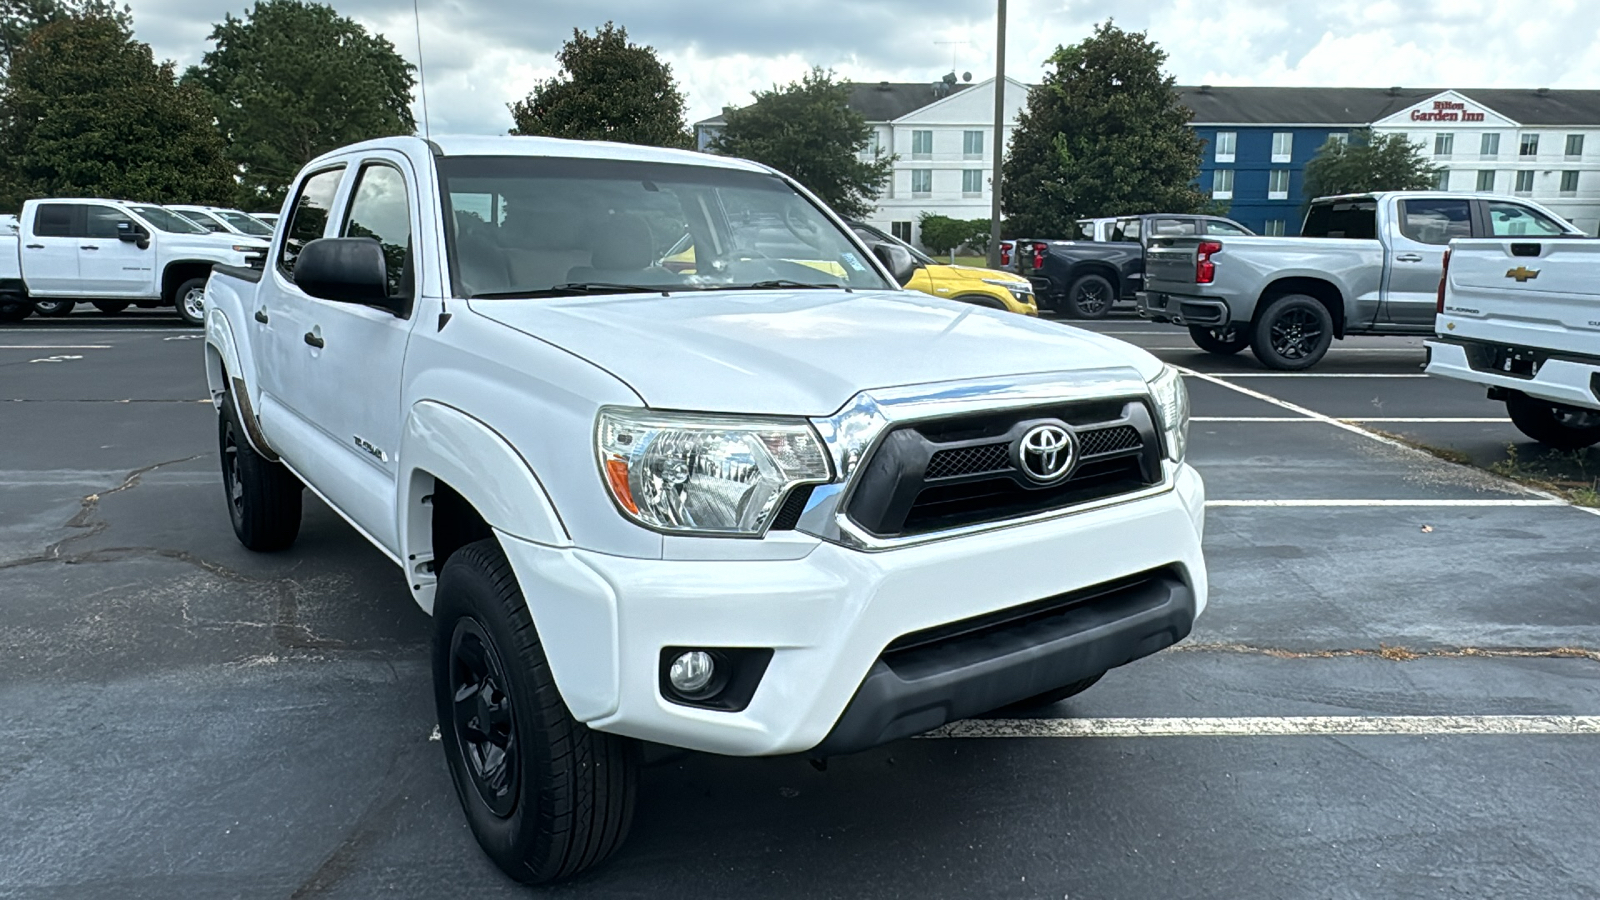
point(1224, 341)
point(1554, 425)
point(1293, 333)
point(546, 797)
point(264, 497)
point(190, 300)
point(15, 312)
point(54, 309)
point(1090, 297)
point(111, 307)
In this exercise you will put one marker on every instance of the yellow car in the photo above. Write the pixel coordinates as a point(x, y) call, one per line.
point(982, 287)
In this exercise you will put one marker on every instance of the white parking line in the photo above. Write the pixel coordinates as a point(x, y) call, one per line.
point(1268, 726)
point(1313, 375)
point(1416, 503)
point(55, 346)
point(1296, 408)
point(1380, 419)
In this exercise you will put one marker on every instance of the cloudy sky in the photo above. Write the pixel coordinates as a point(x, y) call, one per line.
point(482, 54)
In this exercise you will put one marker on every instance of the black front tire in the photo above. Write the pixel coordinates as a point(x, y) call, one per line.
point(1293, 333)
point(1225, 341)
point(264, 497)
point(546, 797)
point(189, 299)
point(1090, 297)
point(54, 309)
point(111, 307)
point(1554, 425)
point(981, 300)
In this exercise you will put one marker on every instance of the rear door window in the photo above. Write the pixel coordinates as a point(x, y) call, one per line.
point(56, 220)
point(1354, 219)
point(308, 217)
point(1435, 221)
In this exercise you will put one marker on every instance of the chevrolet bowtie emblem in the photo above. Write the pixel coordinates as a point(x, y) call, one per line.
point(1522, 274)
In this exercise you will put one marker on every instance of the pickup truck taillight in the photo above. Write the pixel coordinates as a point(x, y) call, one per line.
point(1205, 271)
point(1005, 253)
point(1038, 249)
point(1443, 274)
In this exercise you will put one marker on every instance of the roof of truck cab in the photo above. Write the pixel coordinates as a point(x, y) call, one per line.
point(516, 145)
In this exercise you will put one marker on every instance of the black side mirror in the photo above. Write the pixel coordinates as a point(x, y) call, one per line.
point(131, 233)
point(898, 260)
point(346, 270)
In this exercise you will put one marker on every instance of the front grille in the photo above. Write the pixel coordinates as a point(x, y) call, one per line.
point(939, 475)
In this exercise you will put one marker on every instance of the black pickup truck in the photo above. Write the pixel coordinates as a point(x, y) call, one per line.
point(1084, 278)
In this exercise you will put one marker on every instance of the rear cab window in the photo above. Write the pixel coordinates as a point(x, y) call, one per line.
point(1127, 231)
point(1355, 219)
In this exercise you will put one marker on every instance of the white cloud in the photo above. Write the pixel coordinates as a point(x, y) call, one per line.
point(484, 54)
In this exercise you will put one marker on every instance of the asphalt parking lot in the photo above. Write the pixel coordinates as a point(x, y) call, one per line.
point(189, 719)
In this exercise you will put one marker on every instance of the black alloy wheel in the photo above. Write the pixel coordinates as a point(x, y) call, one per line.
point(54, 309)
point(1293, 333)
point(1090, 297)
point(484, 724)
point(1225, 341)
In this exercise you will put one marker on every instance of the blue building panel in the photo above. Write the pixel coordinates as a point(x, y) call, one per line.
point(1252, 168)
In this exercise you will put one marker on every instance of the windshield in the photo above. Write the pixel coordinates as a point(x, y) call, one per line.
point(540, 226)
point(245, 223)
point(167, 220)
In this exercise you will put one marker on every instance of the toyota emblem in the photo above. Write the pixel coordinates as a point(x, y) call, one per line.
point(1046, 453)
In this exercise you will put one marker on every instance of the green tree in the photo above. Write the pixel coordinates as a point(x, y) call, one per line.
point(809, 131)
point(607, 90)
point(1103, 135)
point(293, 80)
point(942, 234)
point(86, 111)
point(1368, 162)
point(18, 18)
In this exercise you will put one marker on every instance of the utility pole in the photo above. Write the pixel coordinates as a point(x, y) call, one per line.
point(999, 134)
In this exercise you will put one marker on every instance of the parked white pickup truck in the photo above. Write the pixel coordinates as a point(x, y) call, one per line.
point(112, 254)
point(770, 505)
point(1522, 317)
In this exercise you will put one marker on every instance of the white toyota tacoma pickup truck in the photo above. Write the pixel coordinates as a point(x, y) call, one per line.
point(112, 254)
point(1522, 317)
point(767, 504)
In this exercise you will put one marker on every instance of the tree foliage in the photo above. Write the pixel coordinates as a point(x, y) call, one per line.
point(1368, 162)
point(607, 90)
point(808, 131)
point(1103, 135)
point(86, 111)
point(942, 234)
point(18, 18)
point(293, 80)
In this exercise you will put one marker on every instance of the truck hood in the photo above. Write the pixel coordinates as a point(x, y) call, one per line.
point(801, 352)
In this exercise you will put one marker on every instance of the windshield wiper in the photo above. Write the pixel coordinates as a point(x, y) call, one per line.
point(778, 283)
point(574, 289)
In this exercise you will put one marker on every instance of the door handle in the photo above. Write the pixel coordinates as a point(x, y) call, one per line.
point(315, 341)
point(1409, 257)
point(261, 316)
point(35, 246)
point(89, 247)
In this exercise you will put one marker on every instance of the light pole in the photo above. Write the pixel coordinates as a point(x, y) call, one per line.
point(999, 134)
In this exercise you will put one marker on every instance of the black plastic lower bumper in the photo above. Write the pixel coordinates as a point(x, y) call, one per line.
point(968, 668)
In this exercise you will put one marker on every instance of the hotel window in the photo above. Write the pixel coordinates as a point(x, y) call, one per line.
point(1278, 184)
point(1524, 182)
point(1441, 180)
point(1222, 184)
point(901, 230)
point(1282, 146)
point(1275, 228)
point(1569, 183)
point(1342, 138)
point(1227, 145)
point(1574, 146)
point(1486, 180)
point(1529, 145)
point(1444, 144)
point(921, 144)
point(921, 182)
point(972, 144)
point(1489, 148)
point(972, 182)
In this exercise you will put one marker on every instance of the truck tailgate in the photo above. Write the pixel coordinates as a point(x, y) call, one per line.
point(1169, 263)
point(1542, 294)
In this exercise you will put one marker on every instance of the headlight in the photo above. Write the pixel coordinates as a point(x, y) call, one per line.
point(683, 472)
point(1172, 409)
point(1015, 287)
point(247, 248)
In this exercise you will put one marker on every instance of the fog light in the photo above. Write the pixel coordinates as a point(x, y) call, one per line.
point(691, 672)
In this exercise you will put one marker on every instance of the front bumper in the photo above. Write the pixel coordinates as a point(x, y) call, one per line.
point(1181, 310)
point(1567, 381)
point(829, 617)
